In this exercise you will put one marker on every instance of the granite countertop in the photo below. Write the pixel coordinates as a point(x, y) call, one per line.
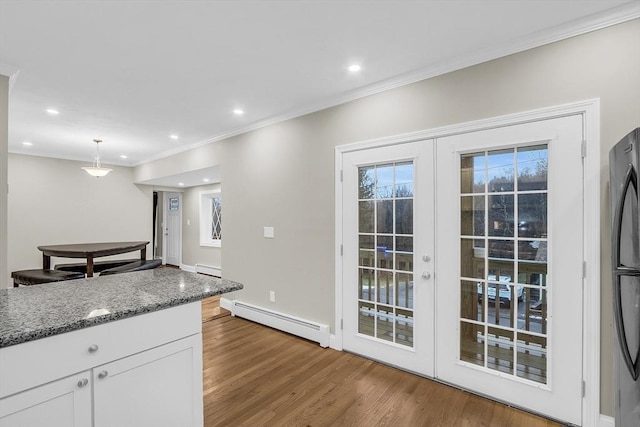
point(34, 312)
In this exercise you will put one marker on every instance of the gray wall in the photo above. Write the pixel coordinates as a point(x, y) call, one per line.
point(282, 175)
point(53, 201)
point(4, 141)
point(192, 252)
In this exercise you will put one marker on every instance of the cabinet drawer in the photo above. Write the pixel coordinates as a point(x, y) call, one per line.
point(37, 362)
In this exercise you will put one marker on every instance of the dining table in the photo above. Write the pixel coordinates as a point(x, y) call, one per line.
point(90, 251)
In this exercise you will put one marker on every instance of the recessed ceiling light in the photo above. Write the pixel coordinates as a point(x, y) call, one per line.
point(123, 156)
point(206, 179)
point(52, 111)
point(181, 184)
point(238, 112)
point(27, 143)
point(173, 136)
point(354, 68)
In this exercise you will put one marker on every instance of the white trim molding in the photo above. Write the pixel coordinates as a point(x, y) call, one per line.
point(590, 111)
point(623, 13)
point(606, 421)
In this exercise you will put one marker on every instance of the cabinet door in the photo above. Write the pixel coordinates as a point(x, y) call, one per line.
point(65, 402)
point(158, 387)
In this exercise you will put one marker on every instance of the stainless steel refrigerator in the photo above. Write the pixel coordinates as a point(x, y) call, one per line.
point(624, 161)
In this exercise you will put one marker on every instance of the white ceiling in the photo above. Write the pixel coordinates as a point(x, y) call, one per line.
point(133, 73)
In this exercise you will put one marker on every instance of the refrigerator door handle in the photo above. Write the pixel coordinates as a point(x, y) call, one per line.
point(630, 184)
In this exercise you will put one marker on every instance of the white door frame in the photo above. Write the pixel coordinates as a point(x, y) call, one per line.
point(590, 110)
point(165, 203)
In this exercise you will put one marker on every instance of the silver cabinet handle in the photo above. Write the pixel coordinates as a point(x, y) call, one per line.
point(426, 258)
point(83, 383)
point(102, 375)
point(426, 275)
point(93, 348)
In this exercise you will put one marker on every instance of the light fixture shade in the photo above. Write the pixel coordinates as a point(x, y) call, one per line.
point(97, 170)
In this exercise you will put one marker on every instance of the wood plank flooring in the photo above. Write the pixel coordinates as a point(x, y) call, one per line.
point(257, 376)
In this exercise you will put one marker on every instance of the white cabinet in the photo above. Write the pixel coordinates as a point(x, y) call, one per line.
point(159, 387)
point(65, 402)
point(141, 371)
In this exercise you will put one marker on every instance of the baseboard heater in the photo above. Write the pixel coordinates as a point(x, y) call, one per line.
point(208, 269)
point(312, 331)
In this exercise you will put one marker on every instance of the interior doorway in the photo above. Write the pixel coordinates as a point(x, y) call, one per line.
point(172, 229)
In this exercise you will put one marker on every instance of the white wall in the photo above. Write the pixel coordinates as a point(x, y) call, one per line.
point(4, 120)
point(53, 201)
point(282, 175)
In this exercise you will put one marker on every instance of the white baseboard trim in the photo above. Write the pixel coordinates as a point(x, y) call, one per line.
point(606, 421)
point(189, 268)
point(209, 269)
point(303, 328)
point(227, 304)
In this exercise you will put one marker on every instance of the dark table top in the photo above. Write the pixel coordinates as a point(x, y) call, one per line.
point(81, 250)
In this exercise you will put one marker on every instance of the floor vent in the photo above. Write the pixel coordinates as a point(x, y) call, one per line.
point(303, 328)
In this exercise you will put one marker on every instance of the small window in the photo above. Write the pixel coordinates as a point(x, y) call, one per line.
point(211, 218)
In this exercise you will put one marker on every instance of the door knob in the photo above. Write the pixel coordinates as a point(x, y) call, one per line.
point(426, 275)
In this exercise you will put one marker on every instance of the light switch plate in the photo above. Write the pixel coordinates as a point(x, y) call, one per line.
point(269, 232)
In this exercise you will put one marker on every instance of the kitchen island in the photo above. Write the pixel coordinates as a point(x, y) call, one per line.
point(115, 350)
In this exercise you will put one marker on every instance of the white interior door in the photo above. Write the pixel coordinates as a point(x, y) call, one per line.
point(388, 304)
point(172, 253)
point(510, 264)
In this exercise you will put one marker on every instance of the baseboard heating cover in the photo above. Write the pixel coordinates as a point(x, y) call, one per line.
point(208, 269)
point(312, 331)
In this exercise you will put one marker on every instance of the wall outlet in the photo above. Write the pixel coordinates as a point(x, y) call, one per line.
point(272, 296)
point(269, 232)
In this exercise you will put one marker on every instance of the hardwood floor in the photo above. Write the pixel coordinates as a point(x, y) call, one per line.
point(211, 309)
point(257, 376)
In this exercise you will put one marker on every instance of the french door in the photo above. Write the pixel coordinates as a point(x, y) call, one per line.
point(472, 274)
point(388, 246)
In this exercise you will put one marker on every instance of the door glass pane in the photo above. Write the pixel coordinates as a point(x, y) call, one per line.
point(532, 168)
point(500, 170)
point(472, 173)
point(532, 215)
point(384, 322)
point(385, 300)
point(471, 296)
point(472, 256)
point(501, 215)
point(500, 350)
point(472, 214)
point(532, 357)
point(503, 261)
point(534, 310)
point(472, 343)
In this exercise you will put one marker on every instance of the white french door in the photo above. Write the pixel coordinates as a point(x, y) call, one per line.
point(463, 261)
point(388, 248)
point(510, 264)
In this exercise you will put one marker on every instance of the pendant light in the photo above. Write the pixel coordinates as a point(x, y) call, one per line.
point(97, 170)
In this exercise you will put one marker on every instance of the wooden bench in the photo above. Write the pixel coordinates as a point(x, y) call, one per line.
point(39, 276)
point(138, 265)
point(81, 267)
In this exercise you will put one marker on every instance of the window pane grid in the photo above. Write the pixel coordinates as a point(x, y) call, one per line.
point(503, 202)
point(385, 201)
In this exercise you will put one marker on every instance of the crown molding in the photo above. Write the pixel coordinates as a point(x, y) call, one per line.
point(618, 15)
